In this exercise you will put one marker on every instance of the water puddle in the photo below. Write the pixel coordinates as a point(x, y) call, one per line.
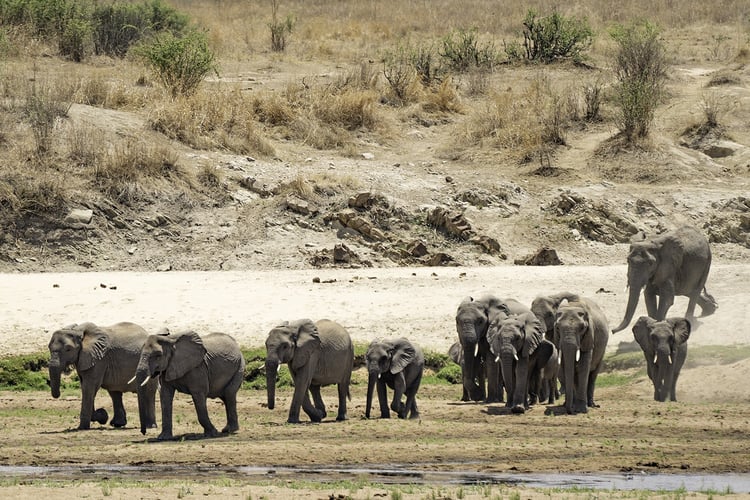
point(392, 474)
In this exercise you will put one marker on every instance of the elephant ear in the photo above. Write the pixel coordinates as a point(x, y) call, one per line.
point(534, 333)
point(587, 341)
point(543, 353)
point(94, 345)
point(641, 331)
point(681, 329)
point(188, 354)
point(403, 354)
point(306, 340)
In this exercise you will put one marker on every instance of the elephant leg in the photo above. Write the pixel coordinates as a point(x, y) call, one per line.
point(707, 303)
point(201, 409)
point(649, 296)
point(120, 418)
point(383, 400)
point(666, 299)
point(494, 387)
point(88, 395)
point(166, 396)
point(146, 406)
point(318, 411)
point(343, 391)
point(230, 405)
point(582, 382)
point(399, 388)
point(590, 389)
point(410, 408)
point(302, 381)
point(414, 410)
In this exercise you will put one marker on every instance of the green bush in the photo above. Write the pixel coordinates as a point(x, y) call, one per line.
point(75, 40)
point(179, 62)
point(640, 67)
point(451, 373)
point(25, 372)
point(554, 37)
point(462, 51)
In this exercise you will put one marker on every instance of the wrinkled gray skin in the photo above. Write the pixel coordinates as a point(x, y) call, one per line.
point(456, 353)
point(398, 364)
point(104, 357)
point(664, 345)
point(517, 342)
point(205, 367)
point(318, 354)
point(581, 334)
point(673, 263)
point(472, 321)
point(547, 382)
point(545, 308)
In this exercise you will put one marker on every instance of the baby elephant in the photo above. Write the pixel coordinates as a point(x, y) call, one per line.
point(398, 364)
point(204, 367)
point(664, 345)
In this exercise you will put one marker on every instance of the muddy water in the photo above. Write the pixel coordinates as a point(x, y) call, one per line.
point(393, 474)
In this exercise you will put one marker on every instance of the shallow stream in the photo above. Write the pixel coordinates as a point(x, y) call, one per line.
point(393, 474)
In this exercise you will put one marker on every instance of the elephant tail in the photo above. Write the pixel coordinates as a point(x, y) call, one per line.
point(348, 394)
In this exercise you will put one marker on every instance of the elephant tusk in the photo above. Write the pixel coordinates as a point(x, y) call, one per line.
point(476, 350)
point(497, 359)
point(146, 381)
point(670, 359)
point(132, 379)
point(378, 376)
point(578, 355)
point(278, 368)
point(515, 356)
point(656, 357)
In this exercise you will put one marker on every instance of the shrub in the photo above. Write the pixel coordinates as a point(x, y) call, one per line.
point(279, 29)
point(179, 62)
point(553, 37)
point(75, 39)
point(400, 74)
point(640, 69)
point(24, 372)
point(43, 106)
point(462, 51)
point(450, 373)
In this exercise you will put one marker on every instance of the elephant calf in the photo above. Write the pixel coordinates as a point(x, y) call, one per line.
point(211, 366)
point(398, 364)
point(318, 354)
point(664, 344)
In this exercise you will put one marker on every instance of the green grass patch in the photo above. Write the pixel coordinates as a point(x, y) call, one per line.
point(617, 379)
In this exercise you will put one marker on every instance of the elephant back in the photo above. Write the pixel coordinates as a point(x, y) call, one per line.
point(336, 353)
point(225, 359)
point(601, 329)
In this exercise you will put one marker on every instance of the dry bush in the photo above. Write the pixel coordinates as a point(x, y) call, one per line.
point(44, 105)
point(211, 119)
point(351, 109)
point(444, 98)
point(273, 109)
point(135, 170)
point(23, 192)
point(86, 145)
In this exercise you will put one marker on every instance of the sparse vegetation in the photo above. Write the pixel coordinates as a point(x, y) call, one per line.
point(554, 37)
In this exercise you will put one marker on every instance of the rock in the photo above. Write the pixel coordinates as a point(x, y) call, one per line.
point(342, 253)
point(164, 268)
point(717, 151)
point(437, 259)
point(368, 156)
point(366, 200)
point(417, 248)
point(251, 184)
point(157, 220)
point(79, 216)
point(545, 256)
point(300, 206)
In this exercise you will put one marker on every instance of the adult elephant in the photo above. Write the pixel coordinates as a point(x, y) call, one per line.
point(398, 364)
point(581, 334)
point(205, 367)
point(472, 321)
point(664, 345)
point(518, 344)
point(106, 357)
point(673, 263)
point(317, 354)
point(545, 308)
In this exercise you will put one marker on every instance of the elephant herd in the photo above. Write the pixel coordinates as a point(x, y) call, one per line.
point(504, 348)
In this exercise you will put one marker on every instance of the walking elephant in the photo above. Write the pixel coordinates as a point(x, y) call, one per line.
point(398, 364)
point(106, 357)
point(318, 354)
point(664, 345)
point(472, 321)
point(673, 263)
point(581, 334)
point(517, 342)
point(205, 367)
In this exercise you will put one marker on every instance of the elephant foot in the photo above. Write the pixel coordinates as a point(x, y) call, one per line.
point(100, 415)
point(211, 433)
point(385, 415)
point(118, 423)
point(414, 416)
point(165, 437)
point(593, 404)
point(342, 417)
point(230, 430)
point(518, 409)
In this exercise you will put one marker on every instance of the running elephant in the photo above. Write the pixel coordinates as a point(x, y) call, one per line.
point(673, 263)
point(106, 357)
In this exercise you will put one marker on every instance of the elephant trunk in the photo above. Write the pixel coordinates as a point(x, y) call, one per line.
point(55, 371)
point(142, 372)
point(662, 380)
point(634, 295)
point(569, 354)
point(371, 381)
point(272, 367)
point(507, 359)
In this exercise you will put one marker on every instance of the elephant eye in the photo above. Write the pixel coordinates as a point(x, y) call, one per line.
point(68, 348)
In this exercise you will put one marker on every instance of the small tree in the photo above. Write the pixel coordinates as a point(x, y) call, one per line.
point(279, 29)
point(553, 37)
point(640, 69)
point(180, 63)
